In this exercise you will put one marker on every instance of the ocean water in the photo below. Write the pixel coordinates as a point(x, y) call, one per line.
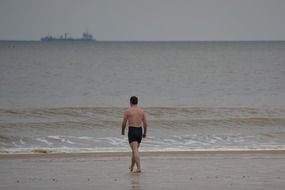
point(70, 96)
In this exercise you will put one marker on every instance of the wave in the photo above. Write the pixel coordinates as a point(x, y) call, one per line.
point(83, 129)
point(194, 142)
point(194, 115)
point(154, 111)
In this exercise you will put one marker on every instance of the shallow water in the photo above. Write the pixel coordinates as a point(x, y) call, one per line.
point(98, 129)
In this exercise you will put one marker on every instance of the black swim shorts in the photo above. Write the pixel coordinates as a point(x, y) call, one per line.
point(135, 134)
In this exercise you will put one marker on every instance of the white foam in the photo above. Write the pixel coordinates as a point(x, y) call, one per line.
point(85, 138)
point(22, 142)
point(55, 137)
point(44, 141)
point(69, 142)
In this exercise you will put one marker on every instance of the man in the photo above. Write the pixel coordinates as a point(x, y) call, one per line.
point(135, 117)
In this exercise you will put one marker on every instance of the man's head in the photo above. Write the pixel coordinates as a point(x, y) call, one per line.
point(134, 100)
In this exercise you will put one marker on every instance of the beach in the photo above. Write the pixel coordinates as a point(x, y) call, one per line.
point(161, 170)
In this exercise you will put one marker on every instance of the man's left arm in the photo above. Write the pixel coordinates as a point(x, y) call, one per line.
point(144, 126)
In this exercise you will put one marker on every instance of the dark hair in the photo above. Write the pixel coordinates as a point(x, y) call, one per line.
point(134, 100)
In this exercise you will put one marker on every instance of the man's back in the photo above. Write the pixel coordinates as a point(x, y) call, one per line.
point(135, 116)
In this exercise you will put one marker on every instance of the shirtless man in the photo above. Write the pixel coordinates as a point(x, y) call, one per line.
point(135, 118)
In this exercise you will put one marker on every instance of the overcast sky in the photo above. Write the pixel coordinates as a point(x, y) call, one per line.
point(150, 20)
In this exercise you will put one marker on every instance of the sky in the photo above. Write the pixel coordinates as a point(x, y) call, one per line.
point(144, 20)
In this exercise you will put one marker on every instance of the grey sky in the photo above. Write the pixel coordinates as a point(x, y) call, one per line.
point(144, 19)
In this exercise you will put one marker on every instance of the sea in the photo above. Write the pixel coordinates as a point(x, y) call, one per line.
point(69, 97)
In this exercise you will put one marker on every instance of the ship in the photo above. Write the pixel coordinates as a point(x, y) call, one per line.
point(85, 37)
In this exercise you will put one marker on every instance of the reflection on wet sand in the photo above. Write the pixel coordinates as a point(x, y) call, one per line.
point(135, 181)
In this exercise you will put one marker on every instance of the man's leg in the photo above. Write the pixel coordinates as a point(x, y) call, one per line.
point(135, 156)
point(132, 163)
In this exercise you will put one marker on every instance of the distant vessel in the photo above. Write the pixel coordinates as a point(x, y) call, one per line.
point(85, 37)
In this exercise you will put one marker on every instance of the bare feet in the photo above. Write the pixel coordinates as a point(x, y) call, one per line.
point(132, 170)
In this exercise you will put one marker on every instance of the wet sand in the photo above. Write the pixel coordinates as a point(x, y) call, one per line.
point(161, 170)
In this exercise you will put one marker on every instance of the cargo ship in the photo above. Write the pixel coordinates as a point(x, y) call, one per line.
point(85, 37)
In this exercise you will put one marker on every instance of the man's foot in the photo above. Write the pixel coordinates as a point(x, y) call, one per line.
point(130, 168)
point(137, 171)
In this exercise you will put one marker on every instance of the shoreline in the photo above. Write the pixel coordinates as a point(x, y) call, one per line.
point(143, 153)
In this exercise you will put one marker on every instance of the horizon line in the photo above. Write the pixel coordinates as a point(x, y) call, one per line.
point(96, 41)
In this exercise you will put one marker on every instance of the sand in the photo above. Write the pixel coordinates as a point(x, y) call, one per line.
point(208, 170)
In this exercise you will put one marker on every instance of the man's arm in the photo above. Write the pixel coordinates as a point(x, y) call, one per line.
point(144, 126)
point(124, 124)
